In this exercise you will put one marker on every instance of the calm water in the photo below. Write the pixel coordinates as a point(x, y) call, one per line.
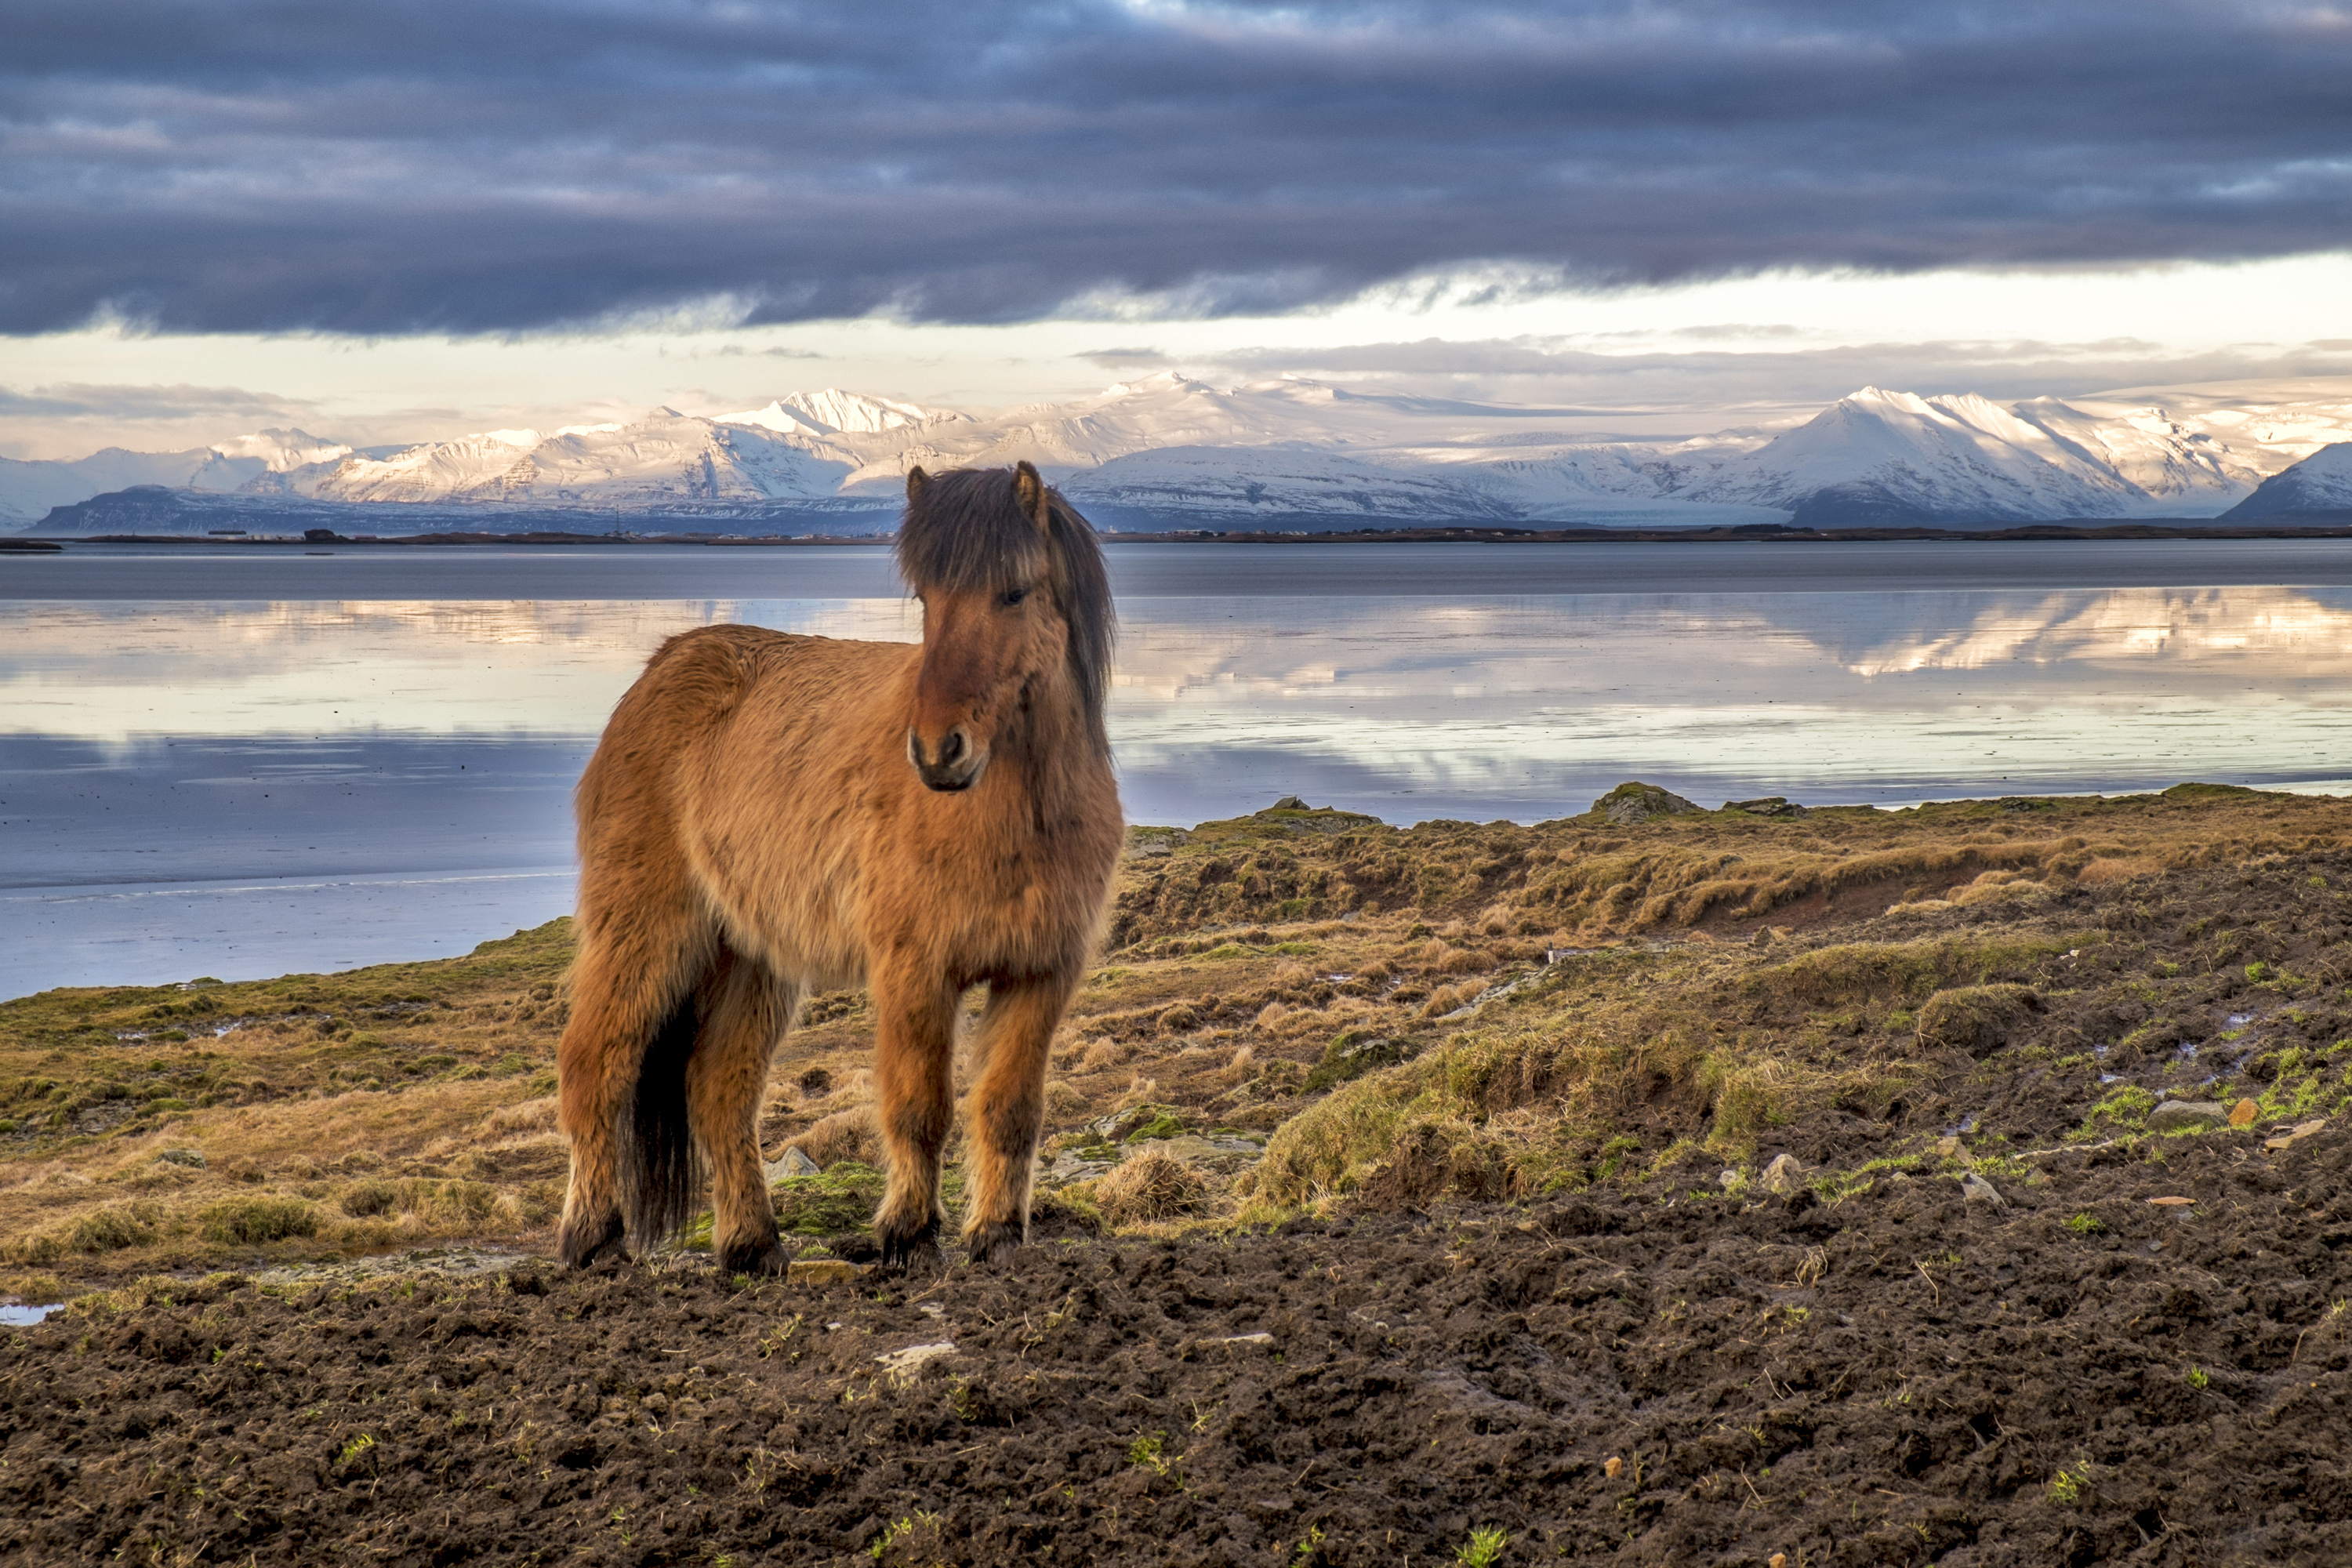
point(244, 762)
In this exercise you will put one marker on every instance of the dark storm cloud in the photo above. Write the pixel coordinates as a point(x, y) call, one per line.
point(503, 166)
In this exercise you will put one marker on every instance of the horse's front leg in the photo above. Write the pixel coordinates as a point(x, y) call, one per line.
point(914, 1073)
point(1007, 1108)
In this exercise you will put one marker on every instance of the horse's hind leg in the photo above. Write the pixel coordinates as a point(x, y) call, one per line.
point(746, 1011)
point(631, 975)
point(914, 1078)
point(1006, 1109)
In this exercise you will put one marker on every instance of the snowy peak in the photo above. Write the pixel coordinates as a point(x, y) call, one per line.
point(2320, 483)
point(1878, 456)
point(835, 412)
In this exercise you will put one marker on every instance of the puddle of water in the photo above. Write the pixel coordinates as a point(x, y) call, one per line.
point(24, 1317)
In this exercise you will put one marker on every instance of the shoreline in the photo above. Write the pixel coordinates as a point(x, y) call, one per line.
point(1743, 534)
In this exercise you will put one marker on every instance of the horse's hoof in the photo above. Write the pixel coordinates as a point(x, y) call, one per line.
point(909, 1249)
point(770, 1261)
point(995, 1241)
point(587, 1243)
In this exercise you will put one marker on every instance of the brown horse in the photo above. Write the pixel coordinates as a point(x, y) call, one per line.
point(769, 815)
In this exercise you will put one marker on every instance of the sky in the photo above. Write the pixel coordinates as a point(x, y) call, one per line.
point(421, 217)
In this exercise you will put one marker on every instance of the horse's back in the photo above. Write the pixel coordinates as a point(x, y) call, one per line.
point(722, 777)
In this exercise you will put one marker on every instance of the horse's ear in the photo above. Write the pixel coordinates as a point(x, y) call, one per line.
point(917, 482)
point(1029, 489)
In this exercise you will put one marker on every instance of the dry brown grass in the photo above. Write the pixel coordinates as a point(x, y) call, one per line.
point(1148, 1188)
point(852, 1134)
point(411, 1103)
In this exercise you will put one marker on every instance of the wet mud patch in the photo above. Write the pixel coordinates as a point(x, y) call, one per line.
point(2075, 1374)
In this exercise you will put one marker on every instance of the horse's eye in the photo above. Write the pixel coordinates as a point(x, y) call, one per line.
point(1014, 595)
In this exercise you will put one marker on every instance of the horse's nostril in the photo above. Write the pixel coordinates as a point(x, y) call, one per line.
point(951, 749)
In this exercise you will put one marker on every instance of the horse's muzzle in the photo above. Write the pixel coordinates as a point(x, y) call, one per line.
point(956, 765)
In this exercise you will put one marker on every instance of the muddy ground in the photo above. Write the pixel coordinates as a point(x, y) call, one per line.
point(1906, 1376)
point(1513, 1288)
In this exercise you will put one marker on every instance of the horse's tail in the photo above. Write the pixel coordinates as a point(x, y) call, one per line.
point(661, 1172)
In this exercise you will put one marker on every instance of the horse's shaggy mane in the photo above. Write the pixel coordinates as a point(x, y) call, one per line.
point(966, 531)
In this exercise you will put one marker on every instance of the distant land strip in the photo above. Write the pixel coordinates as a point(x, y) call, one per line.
point(2338, 525)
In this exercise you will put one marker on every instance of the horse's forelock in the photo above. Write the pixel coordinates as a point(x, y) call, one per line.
point(966, 531)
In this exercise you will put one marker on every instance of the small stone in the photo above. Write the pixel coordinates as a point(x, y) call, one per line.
point(192, 1158)
point(1729, 1179)
point(902, 1363)
point(1763, 937)
point(791, 1162)
point(1234, 1345)
point(1770, 806)
point(1948, 1148)
point(2172, 1203)
point(2294, 1135)
point(1778, 1559)
point(1979, 1191)
point(2242, 1114)
point(2188, 1116)
point(822, 1271)
point(1785, 1175)
point(1611, 1466)
point(1633, 803)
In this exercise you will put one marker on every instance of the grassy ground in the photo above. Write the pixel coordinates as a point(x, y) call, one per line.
point(1301, 1007)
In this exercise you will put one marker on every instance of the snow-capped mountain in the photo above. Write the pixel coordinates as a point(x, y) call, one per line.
point(1172, 450)
point(664, 456)
point(1893, 456)
point(28, 489)
point(2321, 483)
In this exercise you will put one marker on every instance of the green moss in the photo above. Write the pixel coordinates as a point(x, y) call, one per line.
point(840, 1199)
point(2127, 1107)
point(1351, 1054)
point(1167, 1124)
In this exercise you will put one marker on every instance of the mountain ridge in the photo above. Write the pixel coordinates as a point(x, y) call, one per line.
point(1172, 450)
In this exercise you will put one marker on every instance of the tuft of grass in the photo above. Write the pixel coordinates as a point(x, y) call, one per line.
point(113, 1229)
point(1150, 1452)
point(365, 1200)
point(1150, 1187)
point(2071, 1484)
point(248, 1221)
point(1484, 1549)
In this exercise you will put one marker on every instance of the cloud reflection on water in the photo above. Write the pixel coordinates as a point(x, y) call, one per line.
point(164, 746)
